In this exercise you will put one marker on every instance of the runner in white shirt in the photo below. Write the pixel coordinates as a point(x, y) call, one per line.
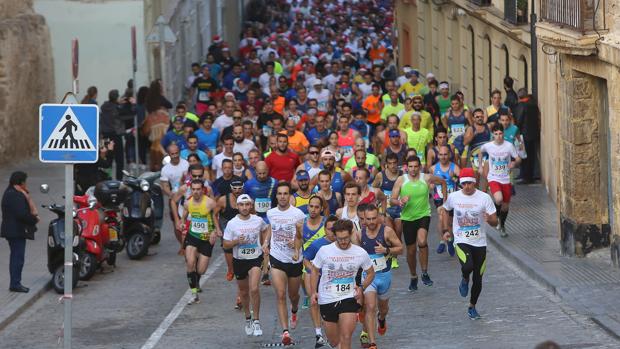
point(172, 175)
point(337, 294)
point(284, 250)
point(501, 154)
point(348, 212)
point(473, 210)
point(246, 234)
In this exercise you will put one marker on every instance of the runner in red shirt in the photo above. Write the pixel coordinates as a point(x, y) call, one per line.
point(282, 162)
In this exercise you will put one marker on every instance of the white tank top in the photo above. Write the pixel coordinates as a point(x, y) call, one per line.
point(355, 219)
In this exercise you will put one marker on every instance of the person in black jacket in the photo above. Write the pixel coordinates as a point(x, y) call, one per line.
point(527, 118)
point(18, 213)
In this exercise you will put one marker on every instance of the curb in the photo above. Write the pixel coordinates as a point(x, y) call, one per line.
point(534, 270)
point(22, 302)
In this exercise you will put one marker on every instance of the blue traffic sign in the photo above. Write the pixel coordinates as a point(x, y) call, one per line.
point(69, 133)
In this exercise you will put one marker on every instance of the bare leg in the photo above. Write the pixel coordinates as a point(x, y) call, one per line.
point(370, 307)
point(346, 326)
point(254, 282)
point(279, 282)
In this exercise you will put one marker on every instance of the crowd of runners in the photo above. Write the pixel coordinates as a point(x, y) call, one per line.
point(313, 160)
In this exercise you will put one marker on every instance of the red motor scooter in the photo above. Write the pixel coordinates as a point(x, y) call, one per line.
point(100, 239)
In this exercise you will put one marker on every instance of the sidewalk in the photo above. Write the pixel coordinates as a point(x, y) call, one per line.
point(590, 285)
point(35, 274)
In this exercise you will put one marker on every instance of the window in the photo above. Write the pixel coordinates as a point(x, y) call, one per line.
point(472, 47)
point(486, 61)
point(505, 58)
point(523, 72)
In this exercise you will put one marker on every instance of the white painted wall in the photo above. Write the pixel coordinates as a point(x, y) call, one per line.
point(103, 30)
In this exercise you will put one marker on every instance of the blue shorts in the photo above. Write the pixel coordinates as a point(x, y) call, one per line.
point(381, 284)
point(394, 212)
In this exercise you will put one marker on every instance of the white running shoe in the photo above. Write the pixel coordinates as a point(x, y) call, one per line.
point(249, 328)
point(257, 330)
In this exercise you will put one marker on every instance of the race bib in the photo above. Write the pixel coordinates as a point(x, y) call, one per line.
point(472, 232)
point(262, 205)
point(249, 251)
point(500, 168)
point(347, 151)
point(203, 95)
point(475, 161)
point(457, 129)
point(200, 225)
point(378, 261)
point(342, 288)
point(388, 195)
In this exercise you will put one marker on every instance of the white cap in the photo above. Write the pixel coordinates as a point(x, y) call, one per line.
point(244, 198)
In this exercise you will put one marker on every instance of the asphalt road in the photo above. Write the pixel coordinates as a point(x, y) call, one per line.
point(123, 308)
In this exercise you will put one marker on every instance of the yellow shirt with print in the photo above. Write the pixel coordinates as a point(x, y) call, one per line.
point(418, 140)
point(426, 121)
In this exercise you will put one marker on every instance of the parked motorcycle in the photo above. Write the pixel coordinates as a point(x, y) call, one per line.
point(137, 214)
point(157, 203)
point(100, 240)
point(56, 246)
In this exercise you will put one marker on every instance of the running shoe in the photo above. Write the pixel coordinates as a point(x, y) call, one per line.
point(265, 280)
point(426, 279)
point(238, 304)
point(257, 331)
point(441, 248)
point(382, 326)
point(286, 338)
point(364, 340)
point(502, 232)
point(199, 290)
point(413, 284)
point(320, 342)
point(473, 314)
point(464, 287)
point(372, 346)
point(451, 250)
point(249, 327)
point(395, 264)
point(230, 275)
point(306, 303)
point(194, 298)
point(293, 321)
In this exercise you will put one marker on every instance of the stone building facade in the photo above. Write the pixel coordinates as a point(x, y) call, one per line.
point(579, 65)
point(26, 77)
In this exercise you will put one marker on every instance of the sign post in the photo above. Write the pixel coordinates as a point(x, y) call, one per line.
point(134, 68)
point(69, 134)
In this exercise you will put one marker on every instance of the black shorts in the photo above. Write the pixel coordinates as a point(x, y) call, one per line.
point(292, 270)
point(204, 246)
point(241, 267)
point(410, 229)
point(331, 311)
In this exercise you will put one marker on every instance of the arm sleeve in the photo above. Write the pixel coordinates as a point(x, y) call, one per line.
point(228, 232)
point(489, 205)
point(366, 261)
point(318, 259)
point(447, 205)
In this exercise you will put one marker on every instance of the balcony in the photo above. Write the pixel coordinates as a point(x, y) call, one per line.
point(481, 2)
point(578, 15)
point(515, 11)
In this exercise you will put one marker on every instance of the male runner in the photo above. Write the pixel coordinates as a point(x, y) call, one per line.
point(336, 293)
point(385, 181)
point(339, 177)
point(381, 243)
point(200, 237)
point(472, 208)
point(245, 235)
point(501, 154)
point(313, 228)
point(348, 212)
point(333, 199)
point(449, 171)
point(284, 247)
point(411, 192)
point(301, 197)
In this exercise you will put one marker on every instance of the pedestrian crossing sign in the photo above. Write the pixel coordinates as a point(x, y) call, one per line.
point(69, 133)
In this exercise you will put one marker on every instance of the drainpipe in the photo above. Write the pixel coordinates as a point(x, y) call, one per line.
point(534, 51)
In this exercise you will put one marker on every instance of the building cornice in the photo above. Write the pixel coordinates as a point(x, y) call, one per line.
point(566, 41)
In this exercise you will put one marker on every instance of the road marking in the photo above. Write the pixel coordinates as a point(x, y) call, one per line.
point(178, 308)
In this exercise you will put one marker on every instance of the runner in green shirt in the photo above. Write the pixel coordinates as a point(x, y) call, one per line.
point(411, 192)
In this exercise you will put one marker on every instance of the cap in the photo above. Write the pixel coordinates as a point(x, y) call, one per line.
point(303, 175)
point(178, 119)
point(229, 94)
point(328, 153)
point(430, 76)
point(394, 133)
point(244, 198)
point(216, 38)
point(467, 175)
point(236, 183)
point(317, 82)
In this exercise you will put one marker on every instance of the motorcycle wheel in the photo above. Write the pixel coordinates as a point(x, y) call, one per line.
point(137, 246)
point(88, 266)
point(156, 237)
point(58, 279)
point(111, 259)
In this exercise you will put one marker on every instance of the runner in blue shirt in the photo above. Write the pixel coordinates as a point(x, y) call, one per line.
point(262, 189)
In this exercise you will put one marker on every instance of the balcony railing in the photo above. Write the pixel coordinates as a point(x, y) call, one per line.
point(515, 11)
point(575, 14)
point(481, 2)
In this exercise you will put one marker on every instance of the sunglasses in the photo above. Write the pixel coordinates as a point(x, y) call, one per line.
point(236, 188)
point(313, 153)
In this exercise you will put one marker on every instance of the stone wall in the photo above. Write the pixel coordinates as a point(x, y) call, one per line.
point(26, 77)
